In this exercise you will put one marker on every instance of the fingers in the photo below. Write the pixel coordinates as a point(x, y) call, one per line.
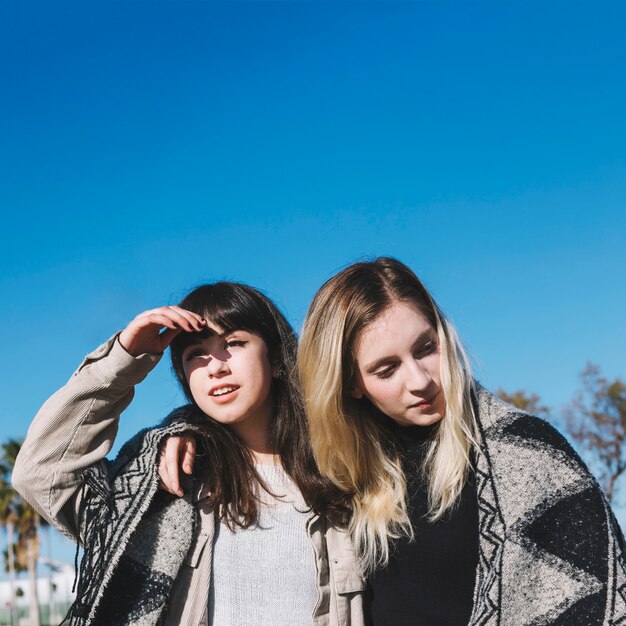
point(167, 336)
point(168, 466)
point(164, 476)
point(153, 318)
point(197, 321)
point(185, 320)
point(171, 317)
point(189, 454)
point(145, 333)
point(176, 450)
point(173, 447)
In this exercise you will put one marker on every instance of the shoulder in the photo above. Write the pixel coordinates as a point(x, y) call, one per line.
point(184, 417)
point(539, 480)
point(506, 430)
point(146, 442)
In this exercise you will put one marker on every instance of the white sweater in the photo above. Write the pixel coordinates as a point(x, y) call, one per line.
point(245, 568)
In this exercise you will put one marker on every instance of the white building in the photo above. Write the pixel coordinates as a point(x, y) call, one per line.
point(54, 593)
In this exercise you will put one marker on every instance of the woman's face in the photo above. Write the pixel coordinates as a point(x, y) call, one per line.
point(230, 377)
point(397, 362)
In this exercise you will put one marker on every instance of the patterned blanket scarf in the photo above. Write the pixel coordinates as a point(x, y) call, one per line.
point(551, 551)
point(134, 535)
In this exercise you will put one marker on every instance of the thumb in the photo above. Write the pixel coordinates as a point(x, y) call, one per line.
point(167, 336)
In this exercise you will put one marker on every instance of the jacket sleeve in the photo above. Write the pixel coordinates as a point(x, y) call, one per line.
point(74, 429)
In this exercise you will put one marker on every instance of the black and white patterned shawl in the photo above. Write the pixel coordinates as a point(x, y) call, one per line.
point(551, 551)
point(134, 535)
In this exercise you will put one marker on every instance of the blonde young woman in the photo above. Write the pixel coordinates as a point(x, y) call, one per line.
point(464, 509)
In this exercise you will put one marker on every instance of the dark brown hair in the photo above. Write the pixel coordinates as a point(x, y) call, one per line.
point(225, 461)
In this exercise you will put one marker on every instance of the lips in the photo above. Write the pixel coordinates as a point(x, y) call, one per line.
point(222, 390)
point(426, 404)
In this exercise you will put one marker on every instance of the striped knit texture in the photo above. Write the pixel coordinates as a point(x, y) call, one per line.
point(551, 552)
point(550, 549)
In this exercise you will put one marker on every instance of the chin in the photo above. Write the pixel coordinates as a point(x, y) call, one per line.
point(227, 420)
point(425, 419)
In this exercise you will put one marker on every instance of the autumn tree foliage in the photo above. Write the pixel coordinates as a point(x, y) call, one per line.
point(529, 402)
point(596, 420)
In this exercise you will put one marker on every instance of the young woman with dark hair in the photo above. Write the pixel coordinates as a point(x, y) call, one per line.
point(251, 540)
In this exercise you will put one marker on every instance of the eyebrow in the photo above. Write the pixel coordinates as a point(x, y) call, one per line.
point(196, 338)
point(370, 369)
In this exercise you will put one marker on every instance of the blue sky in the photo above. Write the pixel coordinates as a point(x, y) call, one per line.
point(150, 146)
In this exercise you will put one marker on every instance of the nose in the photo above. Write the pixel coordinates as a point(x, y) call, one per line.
point(419, 378)
point(217, 367)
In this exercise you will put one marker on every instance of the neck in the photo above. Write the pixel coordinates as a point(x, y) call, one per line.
point(412, 434)
point(266, 458)
point(254, 432)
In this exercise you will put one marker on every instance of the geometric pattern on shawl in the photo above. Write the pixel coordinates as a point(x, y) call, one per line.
point(124, 516)
point(550, 549)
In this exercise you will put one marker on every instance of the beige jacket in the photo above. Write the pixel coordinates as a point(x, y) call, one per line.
point(76, 428)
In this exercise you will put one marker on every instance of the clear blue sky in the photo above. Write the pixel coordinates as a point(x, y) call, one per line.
point(149, 146)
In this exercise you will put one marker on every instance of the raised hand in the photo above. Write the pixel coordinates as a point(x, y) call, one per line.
point(145, 333)
point(177, 452)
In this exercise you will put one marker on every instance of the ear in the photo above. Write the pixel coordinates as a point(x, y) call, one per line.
point(357, 385)
point(356, 392)
point(275, 370)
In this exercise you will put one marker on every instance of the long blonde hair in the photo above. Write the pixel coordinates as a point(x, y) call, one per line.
point(349, 437)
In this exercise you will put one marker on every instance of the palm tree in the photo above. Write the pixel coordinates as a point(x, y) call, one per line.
point(7, 519)
point(20, 516)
